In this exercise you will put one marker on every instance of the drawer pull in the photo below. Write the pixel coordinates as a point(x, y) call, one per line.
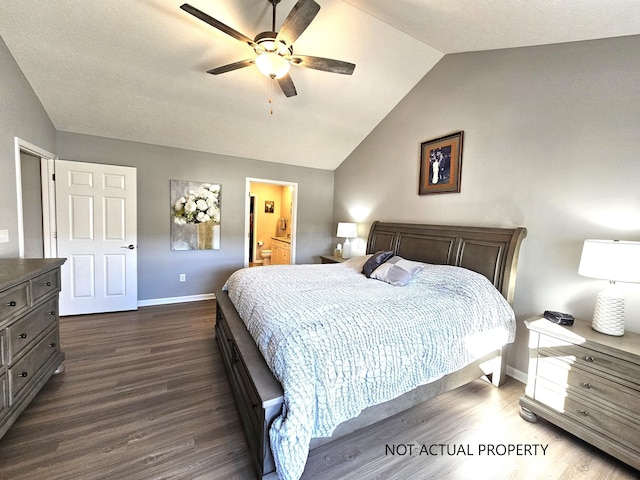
point(589, 358)
point(24, 374)
point(47, 284)
point(586, 385)
point(584, 413)
point(22, 335)
point(52, 345)
point(12, 303)
point(53, 312)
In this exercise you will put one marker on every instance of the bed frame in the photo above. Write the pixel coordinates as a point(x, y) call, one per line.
point(492, 252)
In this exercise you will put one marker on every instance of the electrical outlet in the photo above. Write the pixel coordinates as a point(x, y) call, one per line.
point(4, 236)
point(183, 277)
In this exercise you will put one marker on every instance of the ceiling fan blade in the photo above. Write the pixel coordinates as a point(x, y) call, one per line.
point(217, 24)
point(287, 86)
point(297, 21)
point(325, 64)
point(232, 66)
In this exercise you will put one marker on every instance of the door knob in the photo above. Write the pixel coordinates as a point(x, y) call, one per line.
point(130, 247)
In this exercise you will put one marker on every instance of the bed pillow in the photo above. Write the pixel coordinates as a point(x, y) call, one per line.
point(397, 271)
point(375, 261)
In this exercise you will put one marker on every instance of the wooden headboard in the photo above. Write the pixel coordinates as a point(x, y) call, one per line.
point(492, 252)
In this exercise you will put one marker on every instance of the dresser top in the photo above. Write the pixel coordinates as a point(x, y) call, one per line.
point(581, 333)
point(16, 270)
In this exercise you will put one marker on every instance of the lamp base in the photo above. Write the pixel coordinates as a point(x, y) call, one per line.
point(346, 250)
point(608, 316)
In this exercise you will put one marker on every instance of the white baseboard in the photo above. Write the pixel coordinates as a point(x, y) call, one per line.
point(517, 374)
point(169, 300)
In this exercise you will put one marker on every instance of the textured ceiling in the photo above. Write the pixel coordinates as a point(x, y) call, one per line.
point(135, 70)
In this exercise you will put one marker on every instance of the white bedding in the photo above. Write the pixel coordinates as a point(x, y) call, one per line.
point(339, 342)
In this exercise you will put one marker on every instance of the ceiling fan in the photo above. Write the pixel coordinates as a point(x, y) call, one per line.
point(274, 50)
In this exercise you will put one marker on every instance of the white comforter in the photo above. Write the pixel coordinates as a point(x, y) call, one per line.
point(339, 342)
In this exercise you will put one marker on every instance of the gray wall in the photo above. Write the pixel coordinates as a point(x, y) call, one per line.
point(551, 143)
point(158, 266)
point(21, 115)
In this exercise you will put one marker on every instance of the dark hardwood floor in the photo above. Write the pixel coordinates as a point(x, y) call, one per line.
point(145, 396)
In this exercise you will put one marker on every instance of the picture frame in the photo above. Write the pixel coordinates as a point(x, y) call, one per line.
point(441, 164)
point(195, 215)
point(269, 206)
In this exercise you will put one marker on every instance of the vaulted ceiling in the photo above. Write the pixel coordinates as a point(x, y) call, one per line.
point(135, 70)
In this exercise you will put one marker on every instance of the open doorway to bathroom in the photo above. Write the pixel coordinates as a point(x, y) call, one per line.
point(271, 211)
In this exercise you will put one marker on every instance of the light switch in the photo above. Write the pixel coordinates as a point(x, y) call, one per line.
point(4, 236)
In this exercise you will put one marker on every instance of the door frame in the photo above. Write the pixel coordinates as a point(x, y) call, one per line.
point(294, 213)
point(48, 196)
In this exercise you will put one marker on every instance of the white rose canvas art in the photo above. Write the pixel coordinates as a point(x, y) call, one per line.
point(195, 215)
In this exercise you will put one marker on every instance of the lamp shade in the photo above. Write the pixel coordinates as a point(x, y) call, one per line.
point(613, 260)
point(347, 230)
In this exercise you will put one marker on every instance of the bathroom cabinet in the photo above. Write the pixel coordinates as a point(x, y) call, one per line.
point(280, 251)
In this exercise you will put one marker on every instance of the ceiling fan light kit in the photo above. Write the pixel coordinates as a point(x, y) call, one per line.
point(272, 65)
point(274, 50)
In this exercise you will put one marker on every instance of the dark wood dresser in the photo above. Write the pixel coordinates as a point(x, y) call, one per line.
point(29, 334)
point(587, 383)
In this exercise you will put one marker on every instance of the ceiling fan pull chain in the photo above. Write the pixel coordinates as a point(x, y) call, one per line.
point(271, 96)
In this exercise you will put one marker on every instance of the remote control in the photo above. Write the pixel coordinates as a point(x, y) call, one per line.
point(559, 317)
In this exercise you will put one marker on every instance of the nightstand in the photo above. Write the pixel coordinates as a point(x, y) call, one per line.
point(587, 383)
point(331, 259)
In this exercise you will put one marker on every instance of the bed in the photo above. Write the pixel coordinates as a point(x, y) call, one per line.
point(253, 354)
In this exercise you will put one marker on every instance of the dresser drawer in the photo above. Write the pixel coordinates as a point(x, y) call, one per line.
point(4, 396)
point(23, 371)
point(3, 352)
point(22, 333)
point(615, 426)
point(239, 374)
point(43, 285)
point(14, 300)
point(588, 413)
point(254, 404)
point(588, 359)
point(583, 383)
point(258, 395)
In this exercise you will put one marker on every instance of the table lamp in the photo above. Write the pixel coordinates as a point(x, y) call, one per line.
point(616, 261)
point(346, 230)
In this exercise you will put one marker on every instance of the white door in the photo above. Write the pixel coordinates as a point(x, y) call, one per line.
point(96, 233)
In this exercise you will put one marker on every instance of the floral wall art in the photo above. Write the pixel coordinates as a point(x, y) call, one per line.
point(195, 215)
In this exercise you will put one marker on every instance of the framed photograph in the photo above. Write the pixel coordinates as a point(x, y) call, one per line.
point(269, 206)
point(441, 164)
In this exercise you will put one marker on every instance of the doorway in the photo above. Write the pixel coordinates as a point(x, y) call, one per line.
point(271, 211)
point(35, 218)
point(33, 235)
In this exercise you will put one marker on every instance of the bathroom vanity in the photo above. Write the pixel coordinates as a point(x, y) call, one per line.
point(280, 250)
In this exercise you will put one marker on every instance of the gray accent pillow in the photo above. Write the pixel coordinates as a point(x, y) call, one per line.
point(397, 271)
point(375, 261)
